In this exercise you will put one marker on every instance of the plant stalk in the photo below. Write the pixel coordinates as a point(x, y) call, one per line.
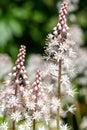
point(13, 125)
point(14, 109)
point(34, 121)
point(59, 92)
point(34, 124)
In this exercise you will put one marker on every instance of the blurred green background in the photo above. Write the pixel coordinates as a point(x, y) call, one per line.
point(29, 21)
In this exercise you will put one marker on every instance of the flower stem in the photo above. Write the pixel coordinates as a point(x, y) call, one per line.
point(34, 124)
point(14, 109)
point(13, 125)
point(59, 93)
point(34, 121)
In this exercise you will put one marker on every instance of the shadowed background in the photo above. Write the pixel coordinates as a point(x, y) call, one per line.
point(29, 21)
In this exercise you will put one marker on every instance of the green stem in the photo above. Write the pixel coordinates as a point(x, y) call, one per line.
point(78, 115)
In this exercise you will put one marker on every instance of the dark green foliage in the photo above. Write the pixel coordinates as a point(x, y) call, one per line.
point(28, 22)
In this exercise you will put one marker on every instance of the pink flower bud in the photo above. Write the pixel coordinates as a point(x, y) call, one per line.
point(17, 81)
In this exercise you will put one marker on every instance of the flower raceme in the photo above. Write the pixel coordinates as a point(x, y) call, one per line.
point(62, 27)
point(39, 99)
point(59, 52)
point(12, 96)
point(19, 72)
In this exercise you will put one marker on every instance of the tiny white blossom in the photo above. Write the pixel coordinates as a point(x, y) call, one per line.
point(30, 105)
point(72, 53)
point(21, 127)
point(47, 119)
point(25, 126)
point(26, 115)
point(40, 103)
point(16, 116)
point(53, 69)
point(42, 128)
point(25, 93)
point(4, 126)
point(45, 109)
point(64, 127)
point(54, 42)
point(49, 87)
point(71, 92)
point(37, 115)
point(63, 47)
point(55, 103)
point(58, 56)
point(65, 80)
point(67, 62)
point(71, 108)
point(50, 36)
point(12, 101)
point(2, 107)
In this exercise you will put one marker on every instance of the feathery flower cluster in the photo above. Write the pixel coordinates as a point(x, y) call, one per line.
point(26, 125)
point(59, 53)
point(4, 126)
point(72, 7)
point(12, 97)
point(62, 25)
point(38, 102)
point(19, 73)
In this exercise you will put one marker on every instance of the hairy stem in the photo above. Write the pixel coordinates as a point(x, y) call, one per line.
point(14, 109)
point(34, 121)
point(59, 92)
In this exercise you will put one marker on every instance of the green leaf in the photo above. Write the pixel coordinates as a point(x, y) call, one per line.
point(21, 13)
point(82, 18)
point(16, 27)
point(5, 33)
point(38, 17)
